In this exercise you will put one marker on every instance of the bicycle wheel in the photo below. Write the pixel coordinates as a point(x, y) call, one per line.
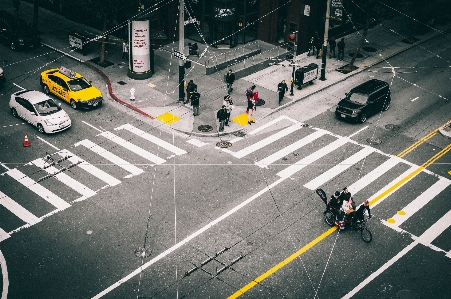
point(366, 235)
point(329, 218)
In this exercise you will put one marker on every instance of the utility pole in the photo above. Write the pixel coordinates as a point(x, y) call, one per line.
point(326, 36)
point(181, 49)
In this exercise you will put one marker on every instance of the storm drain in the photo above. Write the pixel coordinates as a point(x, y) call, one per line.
point(223, 144)
point(205, 128)
point(143, 252)
point(239, 134)
point(260, 102)
point(369, 49)
point(374, 141)
point(392, 127)
point(121, 83)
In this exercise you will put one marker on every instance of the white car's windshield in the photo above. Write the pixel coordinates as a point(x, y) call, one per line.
point(47, 107)
point(358, 98)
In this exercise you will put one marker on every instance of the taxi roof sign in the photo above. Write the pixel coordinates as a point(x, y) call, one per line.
point(67, 72)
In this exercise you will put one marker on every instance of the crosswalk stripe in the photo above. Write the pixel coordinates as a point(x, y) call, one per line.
point(100, 174)
point(4, 235)
point(292, 169)
point(264, 142)
point(394, 185)
point(419, 202)
point(65, 179)
point(131, 147)
point(110, 157)
point(289, 149)
point(50, 197)
point(339, 168)
point(170, 147)
point(373, 175)
point(274, 121)
point(17, 209)
point(436, 229)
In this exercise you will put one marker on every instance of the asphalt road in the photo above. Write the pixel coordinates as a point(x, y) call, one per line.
point(201, 205)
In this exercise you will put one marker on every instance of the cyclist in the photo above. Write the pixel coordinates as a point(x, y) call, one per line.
point(358, 215)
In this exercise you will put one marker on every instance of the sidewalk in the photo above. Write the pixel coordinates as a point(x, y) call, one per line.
point(157, 97)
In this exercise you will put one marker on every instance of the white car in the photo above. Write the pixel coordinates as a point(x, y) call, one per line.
point(39, 110)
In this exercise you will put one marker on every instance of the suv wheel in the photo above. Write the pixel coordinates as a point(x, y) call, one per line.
point(73, 104)
point(46, 89)
point(13, 46)
point(362, 118)
point(386, 106)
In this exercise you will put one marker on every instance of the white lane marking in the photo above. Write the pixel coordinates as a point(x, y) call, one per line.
point(65, 179)
point(17, 85)
point(289, 149)
point(339, 168)
point(6, 167)
point(292, 169)
point(111, 157)
point(92, 126)
point(264, 142)
point(426, 239)
point(421, 201)
point(86, 166)
point(47, 143)
point(17, 209)
point(131, 147)
point(414, 99)
point(268, 124)
point(196, 142)
point(47, 195)
point(374, 174)
point(187, 239)
point(4, 275)
point(394, 182)
point(3, 235)
point(355, 133)
point(170, 147)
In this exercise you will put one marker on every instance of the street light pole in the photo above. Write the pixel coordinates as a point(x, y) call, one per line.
point(181, 50)
point(326, 36)
point(293, 73)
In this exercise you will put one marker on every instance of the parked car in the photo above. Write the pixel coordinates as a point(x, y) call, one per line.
point(2, 78)
point(39, 110)
point(71, 87)
point(364, 100)
point(16, 33)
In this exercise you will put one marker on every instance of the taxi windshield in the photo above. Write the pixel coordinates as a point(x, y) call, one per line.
point(47, 107)
point(358, 98)
point(79, 84)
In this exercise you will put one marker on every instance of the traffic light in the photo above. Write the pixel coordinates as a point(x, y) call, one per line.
point(290, 43)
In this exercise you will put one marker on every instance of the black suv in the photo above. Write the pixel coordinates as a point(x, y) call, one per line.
point(16, 33)
point(364, 100)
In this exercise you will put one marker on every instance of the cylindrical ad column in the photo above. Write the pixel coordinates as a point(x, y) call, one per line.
point(139, 50)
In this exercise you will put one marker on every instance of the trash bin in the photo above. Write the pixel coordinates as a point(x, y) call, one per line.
point(79, 42)
point(306, 74)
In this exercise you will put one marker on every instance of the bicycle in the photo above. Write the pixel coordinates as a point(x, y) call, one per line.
point(365, 233)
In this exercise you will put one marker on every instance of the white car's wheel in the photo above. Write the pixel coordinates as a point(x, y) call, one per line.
point(41, 129)
point(14, 112)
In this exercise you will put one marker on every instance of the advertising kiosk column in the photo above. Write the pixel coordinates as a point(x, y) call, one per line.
point(139, 50)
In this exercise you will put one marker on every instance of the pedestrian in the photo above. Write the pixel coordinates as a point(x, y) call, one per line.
point(332, 45)
point(195, 102)
point(228, 103)
point(341, 49)
point(230, 78)
point(319, 48)
point(250, 111)
point(282, 88)
point(190, 90)
point(311, 46)
point(221, 115)
point(252, 96)
point(124, 49)
point(16, 4)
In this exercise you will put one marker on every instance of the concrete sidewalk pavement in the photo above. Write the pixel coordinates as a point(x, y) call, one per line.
point(157, 97)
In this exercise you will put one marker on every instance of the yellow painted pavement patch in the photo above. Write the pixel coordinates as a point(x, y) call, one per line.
point(242, 119)
point(401, 212)
point(168, 118)
point(151, 85)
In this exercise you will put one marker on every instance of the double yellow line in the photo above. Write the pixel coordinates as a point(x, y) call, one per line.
point(401, 182)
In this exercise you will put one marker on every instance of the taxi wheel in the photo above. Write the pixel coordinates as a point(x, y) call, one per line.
point(41, 129)
point(362, 118)
point(386, 106)
point(14, 112)
point(73, 104)
point(46, 89)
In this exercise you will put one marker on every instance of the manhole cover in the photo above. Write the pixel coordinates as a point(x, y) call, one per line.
point(369, 49)
point(121, 83)
point(223, 144)
point(143, 252)
point(358, 55)
point(392, 127)
point(205, 128)
point(284, 158)
point(374, 141)
point(260, 102)
point(239, 134)
point(249, 243)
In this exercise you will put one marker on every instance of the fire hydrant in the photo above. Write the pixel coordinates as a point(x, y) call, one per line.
point(132, 94)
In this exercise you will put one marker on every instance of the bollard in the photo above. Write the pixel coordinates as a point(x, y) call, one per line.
point(132, 94)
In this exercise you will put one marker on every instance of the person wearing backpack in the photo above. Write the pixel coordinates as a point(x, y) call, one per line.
point(221, 115)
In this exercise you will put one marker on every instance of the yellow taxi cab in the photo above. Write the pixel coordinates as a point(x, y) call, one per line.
point(71, 87)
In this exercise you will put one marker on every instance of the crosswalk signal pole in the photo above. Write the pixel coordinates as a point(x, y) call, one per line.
point(181, 49)
point(292, 38)
point(326, 36)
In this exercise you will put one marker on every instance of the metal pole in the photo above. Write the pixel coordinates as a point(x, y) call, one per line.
point(326, 36)
point(181, 50)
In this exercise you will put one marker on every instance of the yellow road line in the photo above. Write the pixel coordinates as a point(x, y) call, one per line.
point(419, 142)
point(331, 230)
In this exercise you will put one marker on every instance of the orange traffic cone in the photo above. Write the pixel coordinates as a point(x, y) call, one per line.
point(26, 142)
